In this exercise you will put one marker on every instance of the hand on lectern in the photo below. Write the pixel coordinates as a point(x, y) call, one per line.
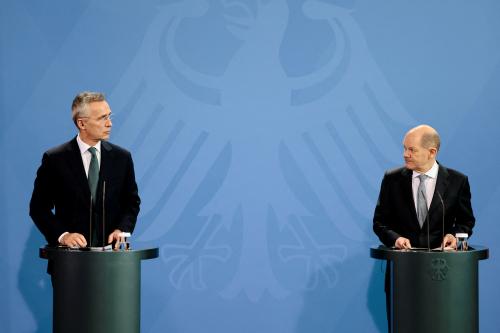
point(116, 237)
point(402, 243)
point(73, 239)
point(449, 241)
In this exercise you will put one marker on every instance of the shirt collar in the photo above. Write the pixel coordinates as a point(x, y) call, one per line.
point(84, 147)
point(431, 173)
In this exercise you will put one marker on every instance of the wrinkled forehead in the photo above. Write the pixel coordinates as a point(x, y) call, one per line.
point(412, 139)
point(100, 108)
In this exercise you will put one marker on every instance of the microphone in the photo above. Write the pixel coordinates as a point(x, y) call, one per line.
point(442, 230)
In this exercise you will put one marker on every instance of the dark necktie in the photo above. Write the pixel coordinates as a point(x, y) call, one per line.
point(421, 200)
point(93, 173)
point(93, 179)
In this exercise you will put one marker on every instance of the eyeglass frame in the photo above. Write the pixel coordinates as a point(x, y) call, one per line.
point(103, 118)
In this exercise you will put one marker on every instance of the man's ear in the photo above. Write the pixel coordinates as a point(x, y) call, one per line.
point(80, 124)
point(433, 152)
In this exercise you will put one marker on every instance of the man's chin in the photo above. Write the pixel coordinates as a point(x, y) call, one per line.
point(409, 165)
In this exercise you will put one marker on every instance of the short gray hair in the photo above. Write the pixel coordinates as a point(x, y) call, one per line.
point(82, 100)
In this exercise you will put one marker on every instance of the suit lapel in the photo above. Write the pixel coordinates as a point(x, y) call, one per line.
point(77, 169)
point(408, 194)
point(106, 161)
point(441, 185)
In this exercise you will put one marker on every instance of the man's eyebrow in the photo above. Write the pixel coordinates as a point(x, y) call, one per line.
point(106, 115)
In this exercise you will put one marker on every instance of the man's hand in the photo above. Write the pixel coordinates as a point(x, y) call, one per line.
point(73, 240)
point(115, 236)
point(449, 241)
point(402, 243)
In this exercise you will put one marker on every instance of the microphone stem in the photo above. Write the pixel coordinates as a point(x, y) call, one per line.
point(442, 229)
point(103, 213)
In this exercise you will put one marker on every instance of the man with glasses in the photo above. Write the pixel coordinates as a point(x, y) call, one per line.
point(409, 210)
point(85, 193)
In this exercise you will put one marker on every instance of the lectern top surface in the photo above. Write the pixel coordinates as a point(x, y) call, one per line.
point(51, 252)
point(383, 252)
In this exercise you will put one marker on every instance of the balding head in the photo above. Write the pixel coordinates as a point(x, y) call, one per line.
point(421, 145)
point(429, 137)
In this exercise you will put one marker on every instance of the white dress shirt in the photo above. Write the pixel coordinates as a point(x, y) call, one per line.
point(430, 184)
point(86, 155)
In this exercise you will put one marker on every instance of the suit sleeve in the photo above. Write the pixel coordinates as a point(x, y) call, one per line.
point(42, 203)
point(464, 219)
point(130, 200)
point(382, 221)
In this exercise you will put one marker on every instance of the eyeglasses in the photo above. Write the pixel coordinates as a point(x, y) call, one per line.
point(101, 119)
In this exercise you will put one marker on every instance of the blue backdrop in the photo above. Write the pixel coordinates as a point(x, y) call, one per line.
point(260, 131)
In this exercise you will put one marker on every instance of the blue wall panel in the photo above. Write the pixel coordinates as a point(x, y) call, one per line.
point(260, 131)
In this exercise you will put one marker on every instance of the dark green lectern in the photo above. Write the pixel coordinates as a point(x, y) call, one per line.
point(96, 291)
point(433, 291)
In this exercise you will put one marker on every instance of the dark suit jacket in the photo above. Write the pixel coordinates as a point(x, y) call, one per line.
point(395, 213)
point(61, 196)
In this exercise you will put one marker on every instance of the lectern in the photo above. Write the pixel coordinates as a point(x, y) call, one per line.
point(433, 291)
point(96, 291)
